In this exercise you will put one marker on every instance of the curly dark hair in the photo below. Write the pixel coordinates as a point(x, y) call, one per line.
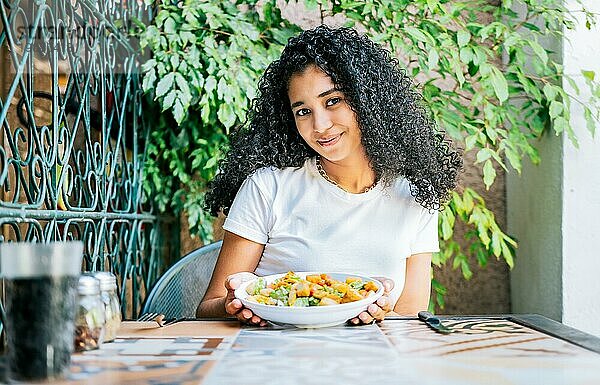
point(398, 133)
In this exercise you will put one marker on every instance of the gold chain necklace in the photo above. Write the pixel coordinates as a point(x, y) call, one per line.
point(323, 173)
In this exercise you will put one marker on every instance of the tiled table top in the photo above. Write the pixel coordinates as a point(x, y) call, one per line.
point(398, 351)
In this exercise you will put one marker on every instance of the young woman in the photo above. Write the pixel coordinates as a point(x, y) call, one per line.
point(339, 168)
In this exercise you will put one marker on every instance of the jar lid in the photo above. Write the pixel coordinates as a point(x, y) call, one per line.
point(88, 285)
point(108, 281)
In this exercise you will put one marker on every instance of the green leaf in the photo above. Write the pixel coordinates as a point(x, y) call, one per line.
point(482, 258)
point(249, 30)
point(170, 26)
point(447, 224)
point(550, 91)
point(226, 115)
point(169, 100)
point(539, 51)
point(281, 37)
point(531, 27)
point(417, 34)
point(149, 80)
point(466, 270)
point(489, 173)
point(508, 256)
point(432, 58)
point(462, 37)
point(484, 154)
point(589, 120)
point(499, 83)
point(571, 134)
point(513, 158)
point(165, 84)
point(187, 37)
point(433, 4)
point(590, 75)
point(470, 142)
point(491, 133)
point(223, 91)
point(436, 260)
point(572, 83)
point(210, 84)
point(182, 83)
point(556, 108)
point(211, 163)
point(468, 202)
point(466, 55)
point(178, 112)
point(205, 113)
point(174, 61)
point(496, 245)
point(560, 123)
point(457, 261)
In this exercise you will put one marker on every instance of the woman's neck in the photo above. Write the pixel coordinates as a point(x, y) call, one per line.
point(354, 176)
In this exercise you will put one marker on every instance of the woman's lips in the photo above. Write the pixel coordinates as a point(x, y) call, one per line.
point(328, 142)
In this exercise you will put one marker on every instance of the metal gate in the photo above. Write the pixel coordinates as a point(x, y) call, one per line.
point(72, 136)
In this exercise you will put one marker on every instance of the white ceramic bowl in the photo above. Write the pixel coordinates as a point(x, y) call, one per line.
point(313, 316)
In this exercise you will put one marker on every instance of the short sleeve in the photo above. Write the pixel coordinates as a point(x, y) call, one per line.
point(249, 213)
point(426, 238)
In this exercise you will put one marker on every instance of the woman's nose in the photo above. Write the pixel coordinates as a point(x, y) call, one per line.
point(322, 121)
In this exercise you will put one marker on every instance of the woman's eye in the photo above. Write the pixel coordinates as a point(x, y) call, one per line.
point(302, 111)
point(333, 101)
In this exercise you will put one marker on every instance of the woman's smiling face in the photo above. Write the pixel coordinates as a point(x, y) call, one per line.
point(323, 118)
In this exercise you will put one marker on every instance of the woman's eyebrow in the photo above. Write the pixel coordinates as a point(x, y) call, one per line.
point(322, 94)
point(330, 91)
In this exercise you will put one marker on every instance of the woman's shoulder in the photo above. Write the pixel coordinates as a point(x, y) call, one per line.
point(401, 191)
point(271, 175)
point(400, 187)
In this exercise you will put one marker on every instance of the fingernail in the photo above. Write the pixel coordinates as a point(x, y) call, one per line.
point(363, 317)
point(355, 321)
point(373, 308)
point(234, 283)
point(383, 301)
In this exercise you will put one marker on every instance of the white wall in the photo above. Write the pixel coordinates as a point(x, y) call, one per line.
point(554, 209)
point(581, 189)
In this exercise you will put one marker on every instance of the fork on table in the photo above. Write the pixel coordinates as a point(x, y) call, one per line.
point(158, 318)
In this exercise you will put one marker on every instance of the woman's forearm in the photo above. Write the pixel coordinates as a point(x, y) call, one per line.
point(214, 307)
point(237, 255)
point(417, 287)
point(410, 307)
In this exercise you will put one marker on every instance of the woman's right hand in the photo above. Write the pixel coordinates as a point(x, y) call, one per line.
point(234, 306)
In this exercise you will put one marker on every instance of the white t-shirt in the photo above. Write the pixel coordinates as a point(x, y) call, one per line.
point(308, 224)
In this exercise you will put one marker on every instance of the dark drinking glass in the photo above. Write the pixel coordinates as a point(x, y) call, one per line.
point(41, 298)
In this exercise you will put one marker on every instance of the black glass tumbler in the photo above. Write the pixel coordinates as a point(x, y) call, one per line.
point(41, 298)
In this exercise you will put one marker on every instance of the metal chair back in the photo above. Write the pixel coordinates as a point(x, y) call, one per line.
point(181, 288)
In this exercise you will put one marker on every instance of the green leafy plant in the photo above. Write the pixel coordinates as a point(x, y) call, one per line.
point(207, 57)
point(491, 85)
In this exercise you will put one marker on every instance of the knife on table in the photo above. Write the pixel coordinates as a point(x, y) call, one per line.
point(434, 322)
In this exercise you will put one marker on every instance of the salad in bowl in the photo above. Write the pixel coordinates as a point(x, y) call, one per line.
point(309, 299)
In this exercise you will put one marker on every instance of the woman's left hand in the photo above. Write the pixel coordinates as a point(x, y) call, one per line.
point(376, 311)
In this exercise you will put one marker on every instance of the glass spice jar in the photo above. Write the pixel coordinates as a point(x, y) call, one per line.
point(112, 307)
point(89, 323)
